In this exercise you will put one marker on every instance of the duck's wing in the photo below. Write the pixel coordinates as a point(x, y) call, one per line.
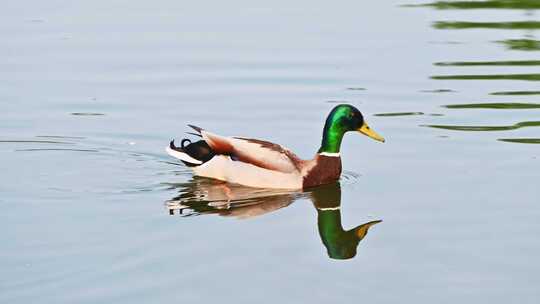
point(257, 152)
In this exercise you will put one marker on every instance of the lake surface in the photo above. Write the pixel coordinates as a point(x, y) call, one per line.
point(94, 211)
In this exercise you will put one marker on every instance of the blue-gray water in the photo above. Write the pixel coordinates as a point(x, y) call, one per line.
point(92, 92)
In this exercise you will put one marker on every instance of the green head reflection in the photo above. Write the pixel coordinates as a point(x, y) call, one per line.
point(205, 196)
point(340, 244)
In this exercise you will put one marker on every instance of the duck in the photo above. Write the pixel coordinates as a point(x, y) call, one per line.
point(262, 164)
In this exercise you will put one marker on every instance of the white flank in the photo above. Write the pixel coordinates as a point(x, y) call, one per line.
point(182, 156)
point(329, 154)
point(223, 168)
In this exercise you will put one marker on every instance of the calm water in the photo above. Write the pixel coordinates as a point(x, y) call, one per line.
point(94, 211)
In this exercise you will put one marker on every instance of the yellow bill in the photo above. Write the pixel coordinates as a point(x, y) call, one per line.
point(366, 130)
point(362, 230)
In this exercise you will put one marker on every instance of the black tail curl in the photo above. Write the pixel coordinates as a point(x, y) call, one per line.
point(199, 150)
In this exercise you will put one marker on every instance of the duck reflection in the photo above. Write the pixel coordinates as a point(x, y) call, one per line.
point(205, 196)
point(208, 196)
point(340, 244)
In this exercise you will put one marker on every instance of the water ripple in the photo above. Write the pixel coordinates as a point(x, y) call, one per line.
point(399, 114)
point(489, 63)
point(87, 114)
point(37, 142)
point(518, 93)
point(438, 91)
point(512, 25)
point(521, 140)
point(60, 136)
point(488, 4)
point(349, 177)
point(521, 44)
point(497, 106)
point(57, 149)
point(525, 124)
point(526, 77)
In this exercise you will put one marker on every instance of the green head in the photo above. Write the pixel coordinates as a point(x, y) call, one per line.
point(342, 119)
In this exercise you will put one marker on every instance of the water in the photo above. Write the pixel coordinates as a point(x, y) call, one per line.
point(92, 93)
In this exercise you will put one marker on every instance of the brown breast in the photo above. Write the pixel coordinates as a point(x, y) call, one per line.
point(326, 170)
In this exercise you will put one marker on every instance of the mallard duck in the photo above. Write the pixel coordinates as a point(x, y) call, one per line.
point(262, 164)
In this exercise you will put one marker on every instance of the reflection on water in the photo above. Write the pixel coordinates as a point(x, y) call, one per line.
point(490, 63)
point(495, 105)
point(59, 136)
point(526, 77)
point(524, 124)
point(521, 44)
point(526, 43)
point(438, 91)
point(87, 114)
point(521, 140)
point(461, 25)
point(15, 141)
point(206, 196)
point(340, 244)
point(489, 4)
point(57, 149)
point(513, 93)
point(399, 114)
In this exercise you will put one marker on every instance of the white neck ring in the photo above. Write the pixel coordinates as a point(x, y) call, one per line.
point(329, 154)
